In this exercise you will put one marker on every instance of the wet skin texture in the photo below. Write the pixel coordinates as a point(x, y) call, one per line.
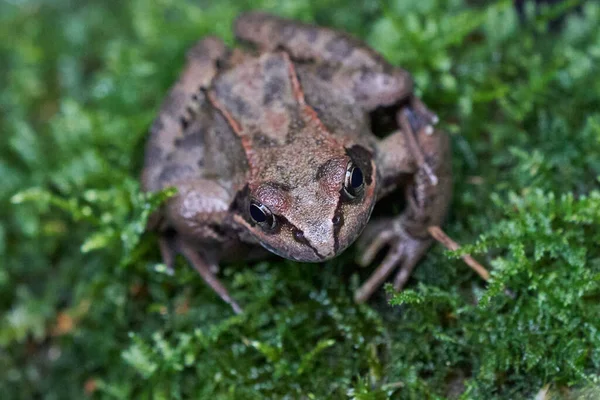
point(276, 146)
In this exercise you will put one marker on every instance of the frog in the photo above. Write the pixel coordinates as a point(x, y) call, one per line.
point(284, 144)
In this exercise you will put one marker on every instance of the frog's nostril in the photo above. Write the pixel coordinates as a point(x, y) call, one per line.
point(299, 236)
point(336, 220)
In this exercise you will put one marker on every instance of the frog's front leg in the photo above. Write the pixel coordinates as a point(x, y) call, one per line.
point(205, 266)
point(197, 224)
point(426, 204)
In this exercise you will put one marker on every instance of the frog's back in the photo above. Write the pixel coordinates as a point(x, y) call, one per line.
point(336, 108)
point(259, 99)
point(243, 111)
point(264, 95)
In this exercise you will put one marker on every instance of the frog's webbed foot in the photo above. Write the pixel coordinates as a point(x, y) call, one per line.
point(403, 254)
point(427, 193)
point(170, 246)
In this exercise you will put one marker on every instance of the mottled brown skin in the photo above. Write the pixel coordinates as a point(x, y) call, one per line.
point(286, 128)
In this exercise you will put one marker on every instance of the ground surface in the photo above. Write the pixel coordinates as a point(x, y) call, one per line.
point(85, 308)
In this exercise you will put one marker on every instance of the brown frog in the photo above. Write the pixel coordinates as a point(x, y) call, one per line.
point(287, 145)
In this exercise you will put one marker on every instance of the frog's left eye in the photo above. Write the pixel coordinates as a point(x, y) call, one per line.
point(354, 182)
point(262, 215)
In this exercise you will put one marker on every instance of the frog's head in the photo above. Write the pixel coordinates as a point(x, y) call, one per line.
point(310, 209)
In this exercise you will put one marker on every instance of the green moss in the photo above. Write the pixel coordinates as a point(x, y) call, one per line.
point(86, 306)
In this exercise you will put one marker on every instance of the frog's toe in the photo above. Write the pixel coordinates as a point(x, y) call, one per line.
point(170, 245)
point(168, 252)
point(403, 254)
point(413, 253)
point(423, 115)
point(370, 244)
point(204, 267)
point(373, 239)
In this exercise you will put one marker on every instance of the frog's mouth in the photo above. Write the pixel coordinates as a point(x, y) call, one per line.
point(290, 249)
point(309, 254)
point(282, 254)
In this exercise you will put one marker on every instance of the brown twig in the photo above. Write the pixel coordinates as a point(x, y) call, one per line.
point(450, 244)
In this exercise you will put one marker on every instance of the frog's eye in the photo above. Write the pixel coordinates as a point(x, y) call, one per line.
point(262, 215)
point(354, 182)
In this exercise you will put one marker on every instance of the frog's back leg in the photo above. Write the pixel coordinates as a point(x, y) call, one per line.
point(175, 148)
point(373, 81)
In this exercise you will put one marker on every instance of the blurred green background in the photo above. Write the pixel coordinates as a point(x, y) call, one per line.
point(86, 309)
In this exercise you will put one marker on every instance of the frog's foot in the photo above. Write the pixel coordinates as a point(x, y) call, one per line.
point(423, 116)
point(168, 252)
point(170, 246)
point(205, 268)
point(403, 254)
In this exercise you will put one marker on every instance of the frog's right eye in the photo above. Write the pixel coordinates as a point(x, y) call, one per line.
point(262, 215)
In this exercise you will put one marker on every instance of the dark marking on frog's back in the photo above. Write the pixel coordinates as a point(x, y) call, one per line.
point(157, 126)
point(273, 90)
point(153, 154)
point(192, 139)
point(288, 32)
point(184, 122)
point(234, 103)
point(273, 63)
point(174, 103)
point(240, 107)
point(326, 72)
point(174, 172)
point(263, 141)
point(312, 33)
point(340, 47)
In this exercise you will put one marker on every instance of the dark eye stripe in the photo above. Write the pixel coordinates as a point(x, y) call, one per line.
point(337, 225)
